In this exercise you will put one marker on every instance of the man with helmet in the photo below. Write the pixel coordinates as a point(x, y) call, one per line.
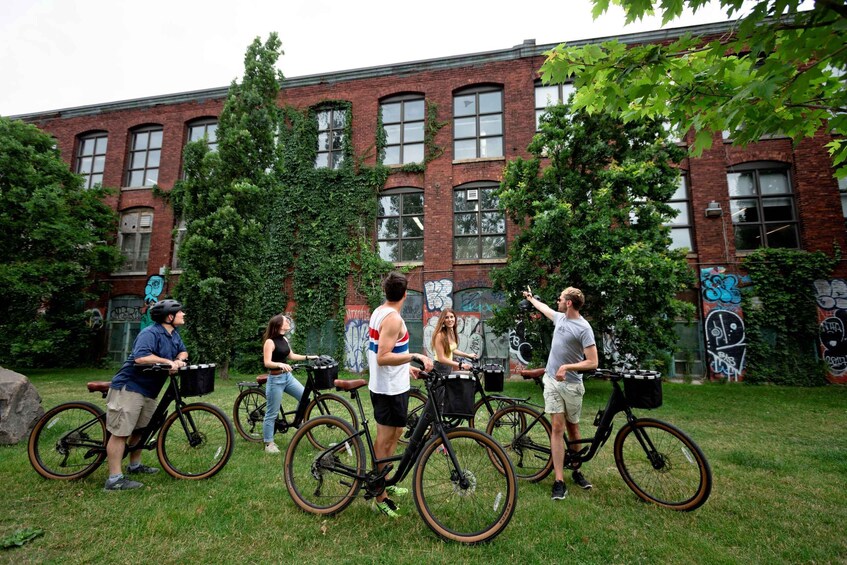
point(132, 396)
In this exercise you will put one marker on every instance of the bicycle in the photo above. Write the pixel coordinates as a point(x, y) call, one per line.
point(195, 441)
point(483, 409)
point(463, 484)
point(248, 412)
point(657, 460)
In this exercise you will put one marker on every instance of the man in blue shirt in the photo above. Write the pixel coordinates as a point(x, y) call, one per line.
point(131, 401)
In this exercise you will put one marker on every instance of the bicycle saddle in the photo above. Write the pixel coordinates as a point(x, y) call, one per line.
point(99, 386)
point(528, 374)
point(350, 385)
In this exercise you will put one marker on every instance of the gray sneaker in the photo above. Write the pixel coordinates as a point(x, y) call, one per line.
point(580, 480)
point(123, 484)
point(142, 470)
point(560, 491)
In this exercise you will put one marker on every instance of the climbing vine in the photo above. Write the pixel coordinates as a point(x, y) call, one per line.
point(780, 316)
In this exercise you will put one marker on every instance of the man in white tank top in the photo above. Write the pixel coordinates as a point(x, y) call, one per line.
point(388, 363)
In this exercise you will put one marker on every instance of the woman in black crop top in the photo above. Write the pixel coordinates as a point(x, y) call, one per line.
point(277, 352)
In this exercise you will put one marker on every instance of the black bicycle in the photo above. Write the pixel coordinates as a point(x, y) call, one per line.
point(658, 461)
point(463, 484)
point(248, 412)
point(194, 441)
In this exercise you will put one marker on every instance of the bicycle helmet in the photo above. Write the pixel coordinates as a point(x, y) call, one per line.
point(160, 311)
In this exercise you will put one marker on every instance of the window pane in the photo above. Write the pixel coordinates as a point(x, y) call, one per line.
point(156, 139)
point(490, 102)
point(323, 142)
point(491, 125)
point(389, 205)
point(153, 158)
point(195, 133)
point(493, 222)
point(466, 224)
point(323, 120)
point(567, 90)
point(464, 105)
point(488, 199)
point(413, 132)
point(493, 247)
point(388, 228)
point(138, 160)
point(777, 209)
point(414, 110)
point(392, 155)
point(774, 183)
point(744, 211)
point(337, 140)
point(102, 143)
point(412, 227)
point(337, 160)
point(99, 163)
point(465, 127)
point(682, 216)
point(782, 236)
point(95, 180)
point(461, 202)
point(87, 147)
point(491, 147)
point(392, 134)
point(413, 153)
point(388, 251)
point(412, 250)
point(680, 237)
point(140, 141)
point(466, 248)
point(413, 203)
point(546, 96)
point(339, 119)
point(321, 160)
point(681, 191)
point(747, 237)
point(136, 178)
point(391, 113)
point(85, 165)
point(465, 149)
point(152, 177)
point(740, 184)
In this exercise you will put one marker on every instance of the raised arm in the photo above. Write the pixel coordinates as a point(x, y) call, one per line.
point(540, 306)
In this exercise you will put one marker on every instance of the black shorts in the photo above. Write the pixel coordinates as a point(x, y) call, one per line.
point(391, 409)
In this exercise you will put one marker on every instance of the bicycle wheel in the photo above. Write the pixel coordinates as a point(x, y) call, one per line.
point(331, 405)
point(417, 401)
point(662, 465)
point(199, 448)
point(471, 504)
point(524, 434)
point(69, 441)
point(481, 413)
point(324, 480)
point(248, 413)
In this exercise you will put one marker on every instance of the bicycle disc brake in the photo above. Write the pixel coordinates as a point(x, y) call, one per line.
point(464, 485)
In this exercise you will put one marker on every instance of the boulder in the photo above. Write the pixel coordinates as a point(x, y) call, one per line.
point(20, 407)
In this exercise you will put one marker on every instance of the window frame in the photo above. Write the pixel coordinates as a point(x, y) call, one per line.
point(146, 169)
point(560, 93)
point(135, 264)
point(95, 136)
point(476, 91)
point(403, 99)
point(203, 123)
point(479, 235)
point(400, 239)
point(689, 226)
point(331, 110)
point(757, 169)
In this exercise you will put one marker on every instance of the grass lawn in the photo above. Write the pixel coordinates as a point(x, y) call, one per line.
point(778, 457)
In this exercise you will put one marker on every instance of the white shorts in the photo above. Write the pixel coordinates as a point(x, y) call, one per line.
point(561, 397)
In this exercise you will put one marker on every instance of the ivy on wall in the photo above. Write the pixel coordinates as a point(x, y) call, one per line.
point(781, 318)
point(432, 126)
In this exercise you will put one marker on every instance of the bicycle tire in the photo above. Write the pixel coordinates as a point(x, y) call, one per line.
point(311, 479)
point(248, 414)
point(524, 434)
point(481, 415)
point(200, 451)
point(330, 405)
point(68, 441)
point(471, 513)
point(680, 477)
point(417, 402)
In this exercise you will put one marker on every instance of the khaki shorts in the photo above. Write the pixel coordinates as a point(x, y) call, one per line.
point(126, 411)
point(562, 397)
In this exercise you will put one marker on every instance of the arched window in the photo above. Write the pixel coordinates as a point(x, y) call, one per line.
point(399, 225)
point(136, 229)
point(91, 157)
point(478, 123)
point(204, 128)
point(761, 200)
point(546, 96)
point(479, 225)
point(124, 319)
point(403, 123)
point(144, 156)
point(332, 124)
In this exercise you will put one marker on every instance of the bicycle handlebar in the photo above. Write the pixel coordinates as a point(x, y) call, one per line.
point(627, 373)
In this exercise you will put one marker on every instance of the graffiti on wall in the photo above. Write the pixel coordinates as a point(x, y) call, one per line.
point(152, 290)
point(519, 347)
point(726, 344)
point(438, 295)
point(831, 297)
point(468, 329)
point(356, 320)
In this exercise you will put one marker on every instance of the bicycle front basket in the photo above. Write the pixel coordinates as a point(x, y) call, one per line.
point(643, 389)
point(197, 380)
point(324, 375)
point(493, 375)
point(459, 391)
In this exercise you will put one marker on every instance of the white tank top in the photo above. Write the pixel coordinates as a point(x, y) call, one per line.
point(387, 379)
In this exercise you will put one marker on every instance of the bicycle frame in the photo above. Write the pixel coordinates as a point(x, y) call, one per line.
point(310, 392)
point(148, 433)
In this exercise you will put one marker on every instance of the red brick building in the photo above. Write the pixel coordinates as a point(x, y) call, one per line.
point(731, 200)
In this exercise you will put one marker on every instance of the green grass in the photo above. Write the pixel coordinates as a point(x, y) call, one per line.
point(778, 456)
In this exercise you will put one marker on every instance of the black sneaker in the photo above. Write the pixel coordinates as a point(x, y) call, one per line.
point(141, 470)
point(560, 491)
point(122, 484)
point(580, 481)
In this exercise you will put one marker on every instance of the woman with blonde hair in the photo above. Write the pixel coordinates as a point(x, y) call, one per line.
point(276, 352)
point(445, 344)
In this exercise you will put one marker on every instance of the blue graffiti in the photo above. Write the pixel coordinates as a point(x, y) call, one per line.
point(721, 288)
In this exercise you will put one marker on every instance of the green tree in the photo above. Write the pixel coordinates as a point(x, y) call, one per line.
point(224, 201)
point(594, 218)
point(55, 237)
point(781, 71)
